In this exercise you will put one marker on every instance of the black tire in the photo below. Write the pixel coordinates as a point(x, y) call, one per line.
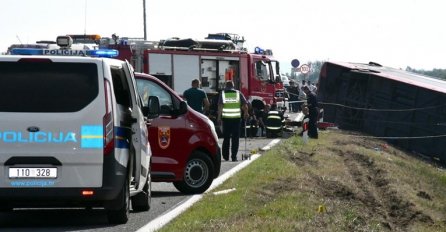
point(198, 174)
point(120, 215)
point(141, 201)
point(5, 209)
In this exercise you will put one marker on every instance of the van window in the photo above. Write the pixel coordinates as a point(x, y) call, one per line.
point(121, 87)
point(47, 86)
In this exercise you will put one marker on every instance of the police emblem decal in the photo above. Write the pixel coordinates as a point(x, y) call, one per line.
point(164, 137)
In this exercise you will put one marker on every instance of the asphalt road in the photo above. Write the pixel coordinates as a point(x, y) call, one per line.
point(164, 198)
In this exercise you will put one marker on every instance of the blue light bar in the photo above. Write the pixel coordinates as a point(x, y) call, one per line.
point(103, 53)
point(26, 51)
point(65, 52)
point(258, 50)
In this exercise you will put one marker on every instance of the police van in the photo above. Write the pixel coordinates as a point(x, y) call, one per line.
point(73, 132)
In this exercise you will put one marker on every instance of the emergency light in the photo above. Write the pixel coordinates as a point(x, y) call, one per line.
point(64, 41)
point(103, 53)
point(26, 51)
point(261, 51)
point(85, 38)
point(258, 50)
point(65, 52)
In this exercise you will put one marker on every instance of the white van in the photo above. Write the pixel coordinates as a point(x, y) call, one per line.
point(285, 81)
point(72, 133)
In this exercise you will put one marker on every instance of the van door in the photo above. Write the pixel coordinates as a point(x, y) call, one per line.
point(129, 117)
point(139, 130)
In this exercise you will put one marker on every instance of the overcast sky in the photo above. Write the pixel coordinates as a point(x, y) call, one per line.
point(395, 33)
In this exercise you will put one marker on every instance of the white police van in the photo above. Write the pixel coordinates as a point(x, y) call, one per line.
point(73, 132)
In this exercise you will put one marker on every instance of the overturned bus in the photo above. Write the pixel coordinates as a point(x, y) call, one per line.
point(404, 108)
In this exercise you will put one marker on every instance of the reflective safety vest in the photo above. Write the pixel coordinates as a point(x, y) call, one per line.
point(231, 104)
point(273, 121)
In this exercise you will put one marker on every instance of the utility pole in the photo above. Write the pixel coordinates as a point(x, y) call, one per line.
point(144, 8)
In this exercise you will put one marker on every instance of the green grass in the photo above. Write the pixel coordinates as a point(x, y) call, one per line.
point(286, 187)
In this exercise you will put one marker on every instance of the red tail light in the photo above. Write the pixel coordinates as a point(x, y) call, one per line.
point(87, 193)
point(109, 141)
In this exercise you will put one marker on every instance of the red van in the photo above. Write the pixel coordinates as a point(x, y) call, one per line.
point(185, 147)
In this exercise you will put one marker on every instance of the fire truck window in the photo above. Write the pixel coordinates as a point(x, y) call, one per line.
point(262, 71)
point(276, 71)
point(148, 88)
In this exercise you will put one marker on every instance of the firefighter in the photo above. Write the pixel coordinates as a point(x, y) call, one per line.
point(274, 122)
point(232, 106)
point(251, 125)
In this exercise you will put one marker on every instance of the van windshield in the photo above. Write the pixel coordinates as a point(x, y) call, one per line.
point(47, 86)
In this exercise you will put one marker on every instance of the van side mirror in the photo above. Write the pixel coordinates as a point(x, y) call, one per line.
point(182, 108)
point(153, 107)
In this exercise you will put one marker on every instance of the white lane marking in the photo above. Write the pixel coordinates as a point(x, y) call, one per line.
point(162, 220)
point(224, 191)
point(271, 144)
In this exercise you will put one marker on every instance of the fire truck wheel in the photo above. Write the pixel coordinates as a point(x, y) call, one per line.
point(198, 174)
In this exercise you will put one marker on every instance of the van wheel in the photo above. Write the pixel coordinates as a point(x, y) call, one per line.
point(141, 201)
point(120, 215)
point(5, 209)
point(198, 174)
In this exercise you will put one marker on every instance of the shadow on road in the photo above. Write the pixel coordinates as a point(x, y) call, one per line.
point(167, 194)
point(50, 219)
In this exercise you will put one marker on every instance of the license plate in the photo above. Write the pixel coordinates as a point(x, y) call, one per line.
point(32, 172)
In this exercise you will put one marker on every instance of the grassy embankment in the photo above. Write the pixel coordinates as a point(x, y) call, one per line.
point(340, 182)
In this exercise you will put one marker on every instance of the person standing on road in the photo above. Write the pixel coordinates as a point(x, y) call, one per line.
point(197, 98)
point(293, 91)
point(313, 112)
point(232, 106)
point(261, 116)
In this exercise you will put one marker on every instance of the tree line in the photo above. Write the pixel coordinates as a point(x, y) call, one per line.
point(437, 73)
point(313, 75)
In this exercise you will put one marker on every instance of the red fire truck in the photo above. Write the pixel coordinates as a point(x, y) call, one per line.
point(217, 58)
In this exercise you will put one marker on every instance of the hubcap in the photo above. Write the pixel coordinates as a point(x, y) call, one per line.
point(196, 173)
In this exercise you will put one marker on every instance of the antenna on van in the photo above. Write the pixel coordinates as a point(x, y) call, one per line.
point(18, 38)
point(144, 18)
point(85, 19)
